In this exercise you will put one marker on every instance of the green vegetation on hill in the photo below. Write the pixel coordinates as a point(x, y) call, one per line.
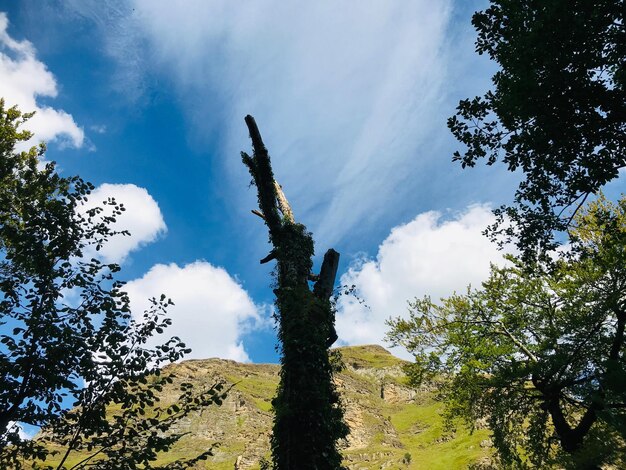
point(388, 419)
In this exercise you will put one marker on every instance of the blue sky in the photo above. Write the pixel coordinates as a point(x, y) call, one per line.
point(146, 100)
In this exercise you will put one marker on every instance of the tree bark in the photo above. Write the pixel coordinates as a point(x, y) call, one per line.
point(308, 417)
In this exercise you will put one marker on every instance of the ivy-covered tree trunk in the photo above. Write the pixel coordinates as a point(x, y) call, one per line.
point(308, 416)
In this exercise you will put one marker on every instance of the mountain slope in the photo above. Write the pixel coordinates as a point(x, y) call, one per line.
point(392, 426)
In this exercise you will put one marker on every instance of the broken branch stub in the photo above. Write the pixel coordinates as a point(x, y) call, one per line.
point(283, 204)
point(323, 288)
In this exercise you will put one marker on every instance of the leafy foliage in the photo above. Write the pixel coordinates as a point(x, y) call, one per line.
point(540, 354)
point(70, 352)
point(557, 111)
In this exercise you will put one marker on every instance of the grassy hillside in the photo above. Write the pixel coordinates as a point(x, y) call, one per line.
point(392, 425)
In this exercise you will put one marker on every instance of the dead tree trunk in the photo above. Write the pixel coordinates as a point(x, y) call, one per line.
point(308, 418)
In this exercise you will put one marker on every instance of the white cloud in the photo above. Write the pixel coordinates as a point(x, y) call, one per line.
point(333, 86)
point(427, 256)
point(211, 312)
point(23, 79)
point(142, 218)
point(351, 96)
point(22, 433)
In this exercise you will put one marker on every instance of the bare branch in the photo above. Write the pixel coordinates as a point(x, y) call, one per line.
point(269, 257)
point(259, 213)
point(517, 342)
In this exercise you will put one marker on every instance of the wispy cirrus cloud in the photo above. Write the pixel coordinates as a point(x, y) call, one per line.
point(336, 88)
point(351, 97)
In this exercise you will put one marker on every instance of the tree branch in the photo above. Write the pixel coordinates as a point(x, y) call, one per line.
point(269, 257)
point(261, 171)
point(517, 342)
point(618, 340)
point(323, 288)
point(283, 204)
point(259, 213)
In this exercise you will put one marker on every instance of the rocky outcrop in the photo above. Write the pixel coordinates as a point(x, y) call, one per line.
point(388, 420)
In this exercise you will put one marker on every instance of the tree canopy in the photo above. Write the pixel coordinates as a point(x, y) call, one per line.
point(539, 353)
point(557, 110)
point(73, 360)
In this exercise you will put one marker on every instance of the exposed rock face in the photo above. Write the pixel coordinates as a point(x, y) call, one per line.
point(387, 418)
